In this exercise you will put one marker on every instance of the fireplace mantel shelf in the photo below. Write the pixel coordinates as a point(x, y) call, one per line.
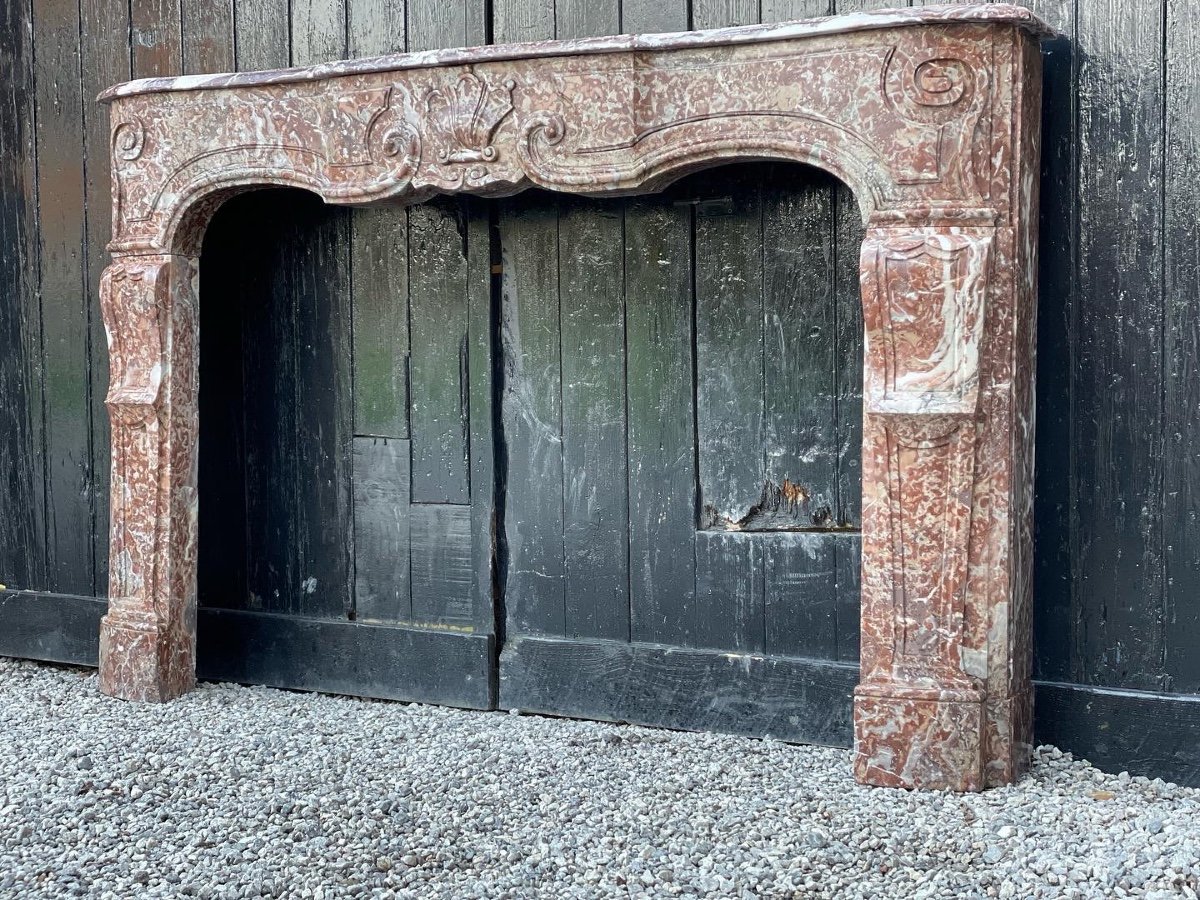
point(930, 115)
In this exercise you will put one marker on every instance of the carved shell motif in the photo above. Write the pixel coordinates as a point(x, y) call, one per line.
point(467, 116)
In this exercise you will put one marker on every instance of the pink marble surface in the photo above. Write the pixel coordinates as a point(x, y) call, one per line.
point(930, 114)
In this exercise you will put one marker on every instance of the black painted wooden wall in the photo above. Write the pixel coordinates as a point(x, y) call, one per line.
point(667, 386)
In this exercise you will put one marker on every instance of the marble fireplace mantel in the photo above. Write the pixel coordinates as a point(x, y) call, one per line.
point(930, 115)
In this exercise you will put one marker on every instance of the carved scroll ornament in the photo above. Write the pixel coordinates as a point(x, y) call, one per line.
point(930, 115)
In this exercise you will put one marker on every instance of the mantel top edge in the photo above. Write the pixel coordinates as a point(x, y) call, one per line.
point(980, 13)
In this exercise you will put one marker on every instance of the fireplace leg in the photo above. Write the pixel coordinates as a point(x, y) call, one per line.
point(148, 637)
point(941, 590)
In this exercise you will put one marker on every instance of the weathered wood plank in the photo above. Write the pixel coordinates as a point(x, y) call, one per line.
point(157, 38)
point(105, 59)
point(800, 349)
point(653, 16)
point(848, 562)
point(586, 18)
point(437, 293)
point(661, 425)
point(1181, 234)
point(483, 335)
point(222, 542)
point(269, 354)
point(800, 583)
point(724, 13)
point(790, 10)
point(729, 591)
point(52, 627)
point(729, 350)
point(22, 482)
point(1119, 367)
point(318, 31)
point(389, 662)
point(446, 23)
point(317, 278)
point(375, 27)
point(1143, 733)
point(532, 415)
point(848, 342)
point(382, 589)
point(522, 20)
point(379, 278)
point(261, 34)
point(64, 300)
point(673, 687)
point(1053, 504)
point(379, 266)
point(207, 32)
point(595, 474)
point(442, 573)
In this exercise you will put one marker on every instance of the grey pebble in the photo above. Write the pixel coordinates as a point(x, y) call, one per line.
point(233, 792)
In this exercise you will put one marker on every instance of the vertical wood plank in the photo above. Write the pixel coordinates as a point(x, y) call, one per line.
point(483, 335)
point(532, 415)
point(157, 38)
point(800, 349)
point(1181, 234)
point(380, 339)
point(375, 27)
point(261, 34)
point(848, 235)
point(1118, 376)
point(729, 591)
point(317, 276)
point(1054, 619)
point(800, 594)
point(441, 565)
point(723, 13)
point(381, 530)
point(790, 10)
point(848, 572)
point(595, 478)
point(22, 486)
point(269, 354)
point(433, 24)
point(729, 352)
point(224, 297)
point(522, 20)
point(207, 32)
point(64, 299)
point(105, 59)
point(662, 439)
point(318, 31)
point(653, 16)
point(586, 18)
point(438, 316)
point(379, 275)
point(660, 411)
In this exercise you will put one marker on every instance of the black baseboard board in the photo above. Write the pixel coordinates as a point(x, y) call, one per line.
point(1141, 732)
point(451, 668)
point(390, 663)
point(801, 700)
point(61, 628)
point(1157, 735)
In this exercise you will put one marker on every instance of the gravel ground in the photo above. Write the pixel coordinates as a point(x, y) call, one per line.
point(246, 792)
